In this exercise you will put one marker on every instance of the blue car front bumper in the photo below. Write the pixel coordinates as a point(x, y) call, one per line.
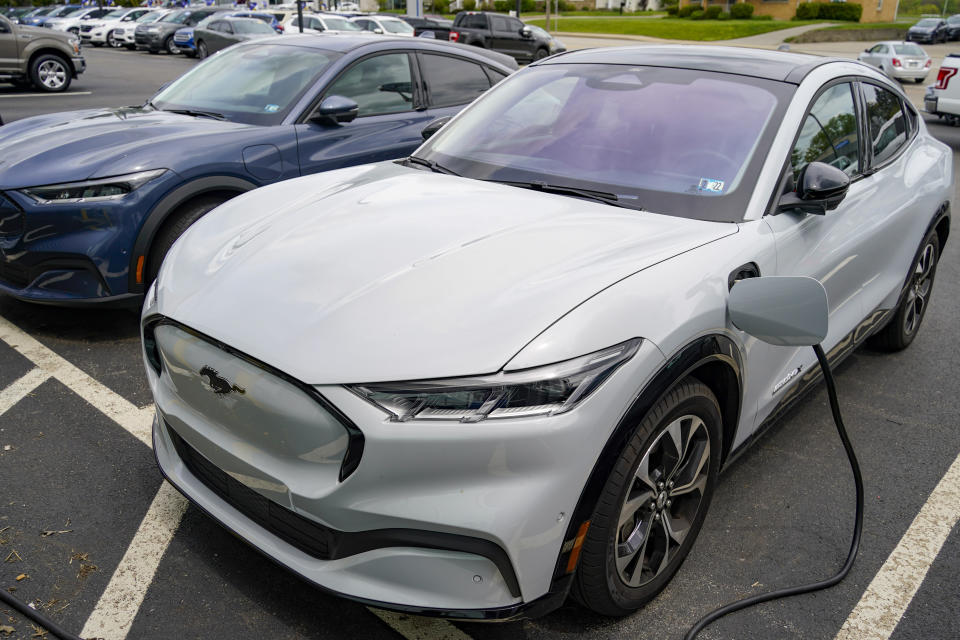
point(74, 253)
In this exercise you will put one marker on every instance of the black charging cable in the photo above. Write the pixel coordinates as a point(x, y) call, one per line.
point(716, 614)
point(37, 617)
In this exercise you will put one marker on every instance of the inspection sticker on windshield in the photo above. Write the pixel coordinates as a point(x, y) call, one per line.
point(710, 184)
point(273, 108)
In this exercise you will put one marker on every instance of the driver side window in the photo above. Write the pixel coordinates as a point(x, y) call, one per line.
point(382, 84)
point(829, 133)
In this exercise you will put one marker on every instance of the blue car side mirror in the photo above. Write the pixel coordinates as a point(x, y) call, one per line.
point(335, 110)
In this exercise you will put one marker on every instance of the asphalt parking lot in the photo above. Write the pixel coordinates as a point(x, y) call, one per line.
point(91, 535)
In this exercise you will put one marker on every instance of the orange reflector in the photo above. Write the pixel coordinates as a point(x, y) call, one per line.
point(140, 270)
point(577, 545)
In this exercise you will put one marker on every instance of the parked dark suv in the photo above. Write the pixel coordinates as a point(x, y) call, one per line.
point(158, 36)
point(501, 33)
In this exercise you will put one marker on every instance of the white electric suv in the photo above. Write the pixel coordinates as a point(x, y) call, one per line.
point(502, 371)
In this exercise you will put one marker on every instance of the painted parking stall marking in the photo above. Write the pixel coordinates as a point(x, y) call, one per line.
point(889, 594)
point(115, 611)
point(65, 94)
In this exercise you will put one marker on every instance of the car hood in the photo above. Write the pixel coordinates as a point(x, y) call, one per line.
point(79, 145)
point(383, 272)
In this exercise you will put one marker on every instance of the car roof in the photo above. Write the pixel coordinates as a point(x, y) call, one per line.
point(761, 63)
point(346, 42)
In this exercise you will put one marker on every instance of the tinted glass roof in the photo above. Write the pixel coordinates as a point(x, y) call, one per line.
point(761, 63)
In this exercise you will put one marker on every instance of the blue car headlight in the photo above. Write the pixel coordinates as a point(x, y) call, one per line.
point(112, 188)
point(548, 390)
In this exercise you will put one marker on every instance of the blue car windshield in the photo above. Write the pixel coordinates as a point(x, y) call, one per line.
point(253, 84)
point(639, 133)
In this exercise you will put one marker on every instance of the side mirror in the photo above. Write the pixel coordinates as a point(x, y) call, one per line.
point(434, 126)
point(781, 310)
point(378, 30)
point(336, 109)
point(820, 188)
point(526, 32)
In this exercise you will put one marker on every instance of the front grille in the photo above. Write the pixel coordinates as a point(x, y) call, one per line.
point(139, 38)
point(306, 535)
point(11, 218)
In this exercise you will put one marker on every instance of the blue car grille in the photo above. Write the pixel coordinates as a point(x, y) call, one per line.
point(11, 218)
point(181, 37)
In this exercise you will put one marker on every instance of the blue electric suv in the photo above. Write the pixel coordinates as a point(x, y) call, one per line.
point(90, 201)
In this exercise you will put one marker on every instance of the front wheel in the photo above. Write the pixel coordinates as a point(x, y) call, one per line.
point(653, 504)
point(202, 50)
point(112, 41)
point(51, 73)
point(173, 227)
point(903, 326)
point(540, 54)
point(171, 46)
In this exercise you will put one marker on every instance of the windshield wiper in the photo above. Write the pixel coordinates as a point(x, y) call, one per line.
point(430, 164)
point(196, 112)
point(590, 194)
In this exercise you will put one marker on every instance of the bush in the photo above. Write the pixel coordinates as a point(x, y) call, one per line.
point(712, 13)
point(723, 16)
point(762, 17)
point(742, 11)
point(469, 5)
point(441, 6)
point(829, 11)
point(697, 14)
point(928, 8)
point(684, 12)
point(671, 11)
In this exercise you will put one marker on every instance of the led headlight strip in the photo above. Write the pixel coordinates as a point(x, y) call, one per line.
point(547, 390)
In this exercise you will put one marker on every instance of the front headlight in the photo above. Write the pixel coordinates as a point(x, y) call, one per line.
point(75, 43)
point(92, 190)
point(153, 29)
point(548, 390)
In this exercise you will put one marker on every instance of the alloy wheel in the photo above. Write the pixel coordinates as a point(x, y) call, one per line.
point(52, 74)
point(112, 40)
point(918, 292)
point(663, 500)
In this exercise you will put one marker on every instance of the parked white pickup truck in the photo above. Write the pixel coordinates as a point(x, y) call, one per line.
point(943, 97)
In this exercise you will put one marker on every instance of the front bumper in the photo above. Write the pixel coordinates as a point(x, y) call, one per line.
point(152, 41)
point(929, 38)
point(79, 64)
point(504, 484)
point(73, 253)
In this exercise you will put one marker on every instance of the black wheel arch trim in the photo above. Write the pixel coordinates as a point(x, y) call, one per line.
point(170, 203)
point(711, 350)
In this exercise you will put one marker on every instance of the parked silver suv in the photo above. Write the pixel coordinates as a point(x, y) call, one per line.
point(45, 58)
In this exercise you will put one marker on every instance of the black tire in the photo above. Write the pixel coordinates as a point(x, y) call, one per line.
point(96, 44)
point(600, 584)
point(540, 54)
point(170, 46)
point(174, 226)
point(51, 73)
point(201, 49)
point(111, 41)
point(903, 327)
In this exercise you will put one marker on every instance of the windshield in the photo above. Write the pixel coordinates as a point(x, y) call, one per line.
point(115, 14)
point(340, 24)
point(72, 11)
point(928, 22)
point(149, 17)
point(639, 133)
point(396, 26)
point(908, 50)
point(253, 84)
point(177, 17)
point(251, 26)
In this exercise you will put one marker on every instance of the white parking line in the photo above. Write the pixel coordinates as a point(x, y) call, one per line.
point(45, 95)
point(21, 388)
point(135, 420)
point(891, 590)
point(118, 606)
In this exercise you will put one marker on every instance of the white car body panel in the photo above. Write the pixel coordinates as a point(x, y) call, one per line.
point(387, 273)
point(945, 101)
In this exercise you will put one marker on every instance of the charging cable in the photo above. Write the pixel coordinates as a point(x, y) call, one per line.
point(716, 614)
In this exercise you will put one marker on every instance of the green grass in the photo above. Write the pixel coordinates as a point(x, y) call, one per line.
point(676, 28)
point(859, 26)
point(606, 14)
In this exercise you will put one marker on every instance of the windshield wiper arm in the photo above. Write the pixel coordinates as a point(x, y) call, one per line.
point(590, 194)
point(430, 164)
point(196, 112)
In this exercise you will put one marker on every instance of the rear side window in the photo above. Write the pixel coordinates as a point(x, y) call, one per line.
point(379, 85)
point(499, 24)
point(888, 125)
point(452, 81)
point(829, 133)
point(474, 22)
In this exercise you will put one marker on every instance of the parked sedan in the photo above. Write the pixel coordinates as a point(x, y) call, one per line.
point(503, 370)
point(931, 30)
point(221, 33)
point(90, 201)
point(320, 23)
point(953, 27)
point(900, 60)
